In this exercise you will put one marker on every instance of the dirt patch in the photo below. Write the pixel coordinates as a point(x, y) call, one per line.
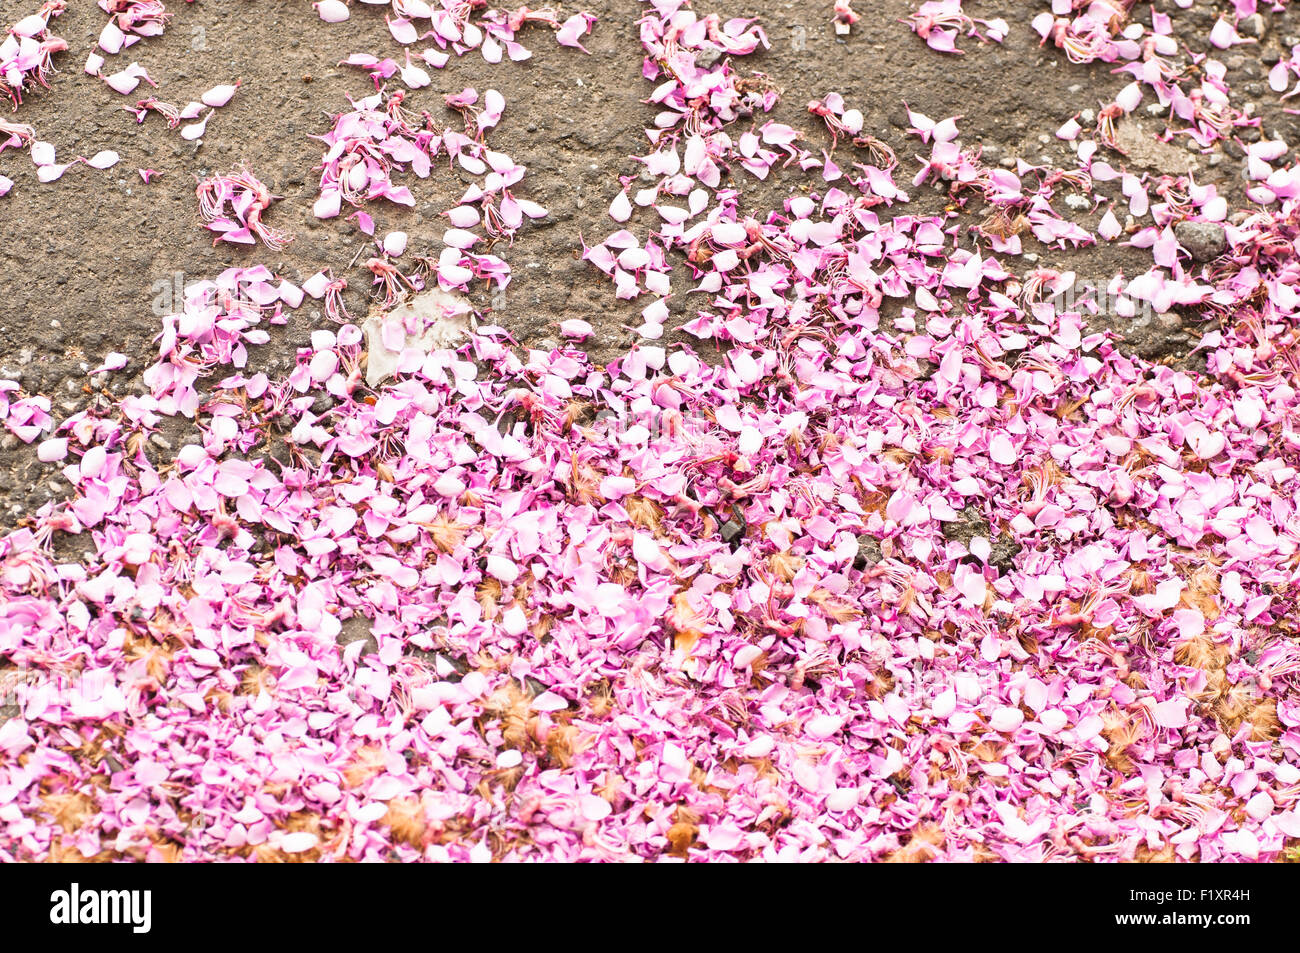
point(1144, 151)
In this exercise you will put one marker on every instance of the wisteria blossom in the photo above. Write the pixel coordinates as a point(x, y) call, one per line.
point(457, 27)
point(27, 51)
point(232, 206)
point(941, 23)
point(379, 137)
point(129, 21)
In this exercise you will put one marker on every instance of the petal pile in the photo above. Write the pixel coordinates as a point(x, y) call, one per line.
point(909, 562)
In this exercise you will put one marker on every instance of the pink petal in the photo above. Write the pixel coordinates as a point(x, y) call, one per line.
point(122, 82)
point(620, 210)
point(1109, 227)
point(1006, 719)
point(42, 153)
point(575, 328)
point(52, 450)
point(1001, 450)
point(298, 842)
point(103, 160)
point(50, 173)
point(111, 39)
point(549, 701)
point(574, 27)
point(328, 205)
point(196, 129)
point(395, 244)
point(403, 30)
point(332, 11)
point(1172, 714)
point(364, 222)
point(218, 96)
